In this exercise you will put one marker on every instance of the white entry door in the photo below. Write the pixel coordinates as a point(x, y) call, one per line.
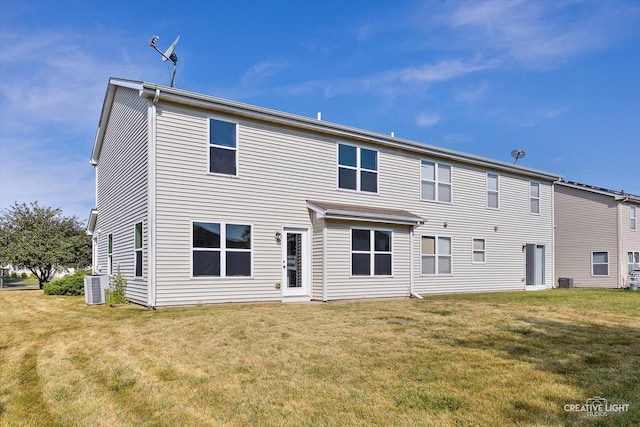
point(295, 263)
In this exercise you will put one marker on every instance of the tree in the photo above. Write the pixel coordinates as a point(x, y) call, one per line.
point(42, 240)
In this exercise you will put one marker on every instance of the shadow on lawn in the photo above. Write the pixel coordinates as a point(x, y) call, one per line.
point(601, 360)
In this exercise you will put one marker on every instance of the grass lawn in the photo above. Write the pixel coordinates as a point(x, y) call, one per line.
point(486, 359)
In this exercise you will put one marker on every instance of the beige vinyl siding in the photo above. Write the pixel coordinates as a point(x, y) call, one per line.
point(318, 259)
point(342, 285)
point(122, 189)
point(467, 217)
point(585, 222)
point(280, 168)
point(629, 240)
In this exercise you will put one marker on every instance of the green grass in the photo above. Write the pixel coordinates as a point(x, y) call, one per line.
point(484, 359)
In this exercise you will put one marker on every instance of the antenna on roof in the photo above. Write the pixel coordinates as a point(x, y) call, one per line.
point(517, 154)
point(167, 55)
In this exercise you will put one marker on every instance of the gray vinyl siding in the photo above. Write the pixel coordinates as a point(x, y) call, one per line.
point(585, 222)
point(122, 189)
point(280, 168)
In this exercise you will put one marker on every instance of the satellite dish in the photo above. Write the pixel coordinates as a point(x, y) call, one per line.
point(167, 55)
point(517, 154)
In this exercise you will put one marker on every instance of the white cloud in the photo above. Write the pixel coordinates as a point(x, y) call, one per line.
point(472, 93)
point(262, 71)
point(428, 119)
point(538, 34)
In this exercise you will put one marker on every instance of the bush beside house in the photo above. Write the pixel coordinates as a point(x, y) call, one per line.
point(70, 285)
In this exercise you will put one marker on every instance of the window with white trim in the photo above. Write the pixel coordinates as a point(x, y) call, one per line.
point(534, 197)
point(435, 181)
point(223, 147)
point(110, 254)
point(221, 250)
point(371, 253)
point(479, 251)
point(600, 263)
point(633, 261)
point(357, 168)
point(493, 194)
point(138, 250)
point(436, 255)
point(633, 215)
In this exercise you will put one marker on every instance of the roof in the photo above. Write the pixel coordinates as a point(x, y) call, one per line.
point(364, 213)
point(618, 195)
point(159, 93)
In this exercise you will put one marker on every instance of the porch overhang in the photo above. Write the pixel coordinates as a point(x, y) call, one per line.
point(346, 212)
point(91, 224)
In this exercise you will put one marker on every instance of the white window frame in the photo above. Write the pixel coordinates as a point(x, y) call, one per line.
point(593, 264)
point(437, 255)
point(436, 181)
point(358, 168)
point(496, 191)
point(137, 249)
point(209, 145)
point(110, 254)
point(633, 218)
point(635, 260)
point(371, 252)
point(222, 249)
point(533, 184)
point(482, 251)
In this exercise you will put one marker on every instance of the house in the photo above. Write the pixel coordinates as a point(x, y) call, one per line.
point(206, 200)
point(597, 238)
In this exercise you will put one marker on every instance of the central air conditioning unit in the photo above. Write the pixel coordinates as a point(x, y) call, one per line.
point(94, 289)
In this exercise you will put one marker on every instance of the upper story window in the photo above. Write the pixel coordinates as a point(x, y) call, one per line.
point(435, 181)
point(600, 263)
point(221, 250)
point(633, 214)
point(370, 252)
point(223, 147)
point(534, 197)
point(435, 252)
point(493, 191)
point(138, 250)
point(357, 168)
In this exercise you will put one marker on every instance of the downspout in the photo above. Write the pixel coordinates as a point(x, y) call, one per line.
point(151, 202)
point(411, 241)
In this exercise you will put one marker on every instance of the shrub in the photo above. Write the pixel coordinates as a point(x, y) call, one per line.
point(70, 285)
point(14, 274)
point(23, 275)
point(116, 295)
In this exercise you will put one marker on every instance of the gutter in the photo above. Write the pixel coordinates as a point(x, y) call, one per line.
point(411, 240)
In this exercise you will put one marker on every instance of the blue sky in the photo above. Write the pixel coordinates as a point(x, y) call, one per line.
point(557, 79)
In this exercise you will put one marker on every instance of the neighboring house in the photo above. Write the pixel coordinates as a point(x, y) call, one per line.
point(205, 200)
point(597, 240)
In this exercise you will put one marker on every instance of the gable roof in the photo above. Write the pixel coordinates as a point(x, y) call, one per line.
point(158, 93)
point(617, 195)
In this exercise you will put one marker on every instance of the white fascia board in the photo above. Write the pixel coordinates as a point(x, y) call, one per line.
point(93, 218)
